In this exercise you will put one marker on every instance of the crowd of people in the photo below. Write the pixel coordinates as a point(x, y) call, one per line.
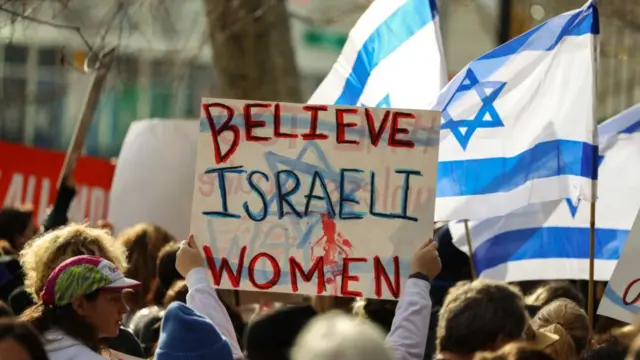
point(73, 291)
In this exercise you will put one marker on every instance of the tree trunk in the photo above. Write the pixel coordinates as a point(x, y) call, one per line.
point(252, 52)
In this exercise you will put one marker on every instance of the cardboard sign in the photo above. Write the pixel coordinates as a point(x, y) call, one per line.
point(28, 177)
point(313, 199)
point(621, 298)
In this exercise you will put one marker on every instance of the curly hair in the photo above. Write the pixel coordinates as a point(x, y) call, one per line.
point(143, 243)
point(43, 254)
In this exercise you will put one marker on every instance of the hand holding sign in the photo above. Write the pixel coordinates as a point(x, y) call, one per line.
point(188, 257)
point(427, 260)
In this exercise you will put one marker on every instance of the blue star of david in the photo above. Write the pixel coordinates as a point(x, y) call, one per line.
point(297, 164)
point(486, 117)
point(573, 209)
point(385, 102)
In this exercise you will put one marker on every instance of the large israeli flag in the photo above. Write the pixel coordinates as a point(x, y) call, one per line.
point(393, 57)
point(551, 240)
point(518, 122)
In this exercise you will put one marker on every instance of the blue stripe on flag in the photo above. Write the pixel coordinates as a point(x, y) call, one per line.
point(494, 175)
point(389, 36)
point(548, 243)
point(547, 36)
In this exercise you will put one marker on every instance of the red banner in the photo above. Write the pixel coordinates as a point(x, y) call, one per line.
point(29, 176)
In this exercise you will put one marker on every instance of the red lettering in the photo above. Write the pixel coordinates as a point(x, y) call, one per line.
point(216, 132)
point(626, 293)
point(295, 267)
point(380, 273)
point(341, 126)
point(346, 277)
point(397, 130)
point(216, 272)
point(277, 125)
point(250, 123)
point(376, 134)
point(274, 265)
point(313, 133)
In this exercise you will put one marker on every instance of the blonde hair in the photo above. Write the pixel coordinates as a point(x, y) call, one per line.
point(514, 351)
point(43, 254)
point(563, 348)
point(336, 335)
point(143, 243)
point(357, 308)
point(570, 316)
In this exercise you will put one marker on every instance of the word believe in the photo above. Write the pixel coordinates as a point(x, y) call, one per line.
point(391, 120)
point(283, 195)
point(297, 270)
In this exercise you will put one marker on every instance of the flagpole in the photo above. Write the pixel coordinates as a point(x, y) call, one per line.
point(472, 262)
point(592, 251)
point(592, 213)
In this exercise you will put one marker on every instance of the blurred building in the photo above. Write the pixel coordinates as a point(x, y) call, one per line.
point(165, 64)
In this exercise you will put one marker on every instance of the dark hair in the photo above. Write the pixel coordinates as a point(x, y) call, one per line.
point(45, 317)
point(177, 292)
point(143, 243)
point(515, 351)
point(553, 290)
point(475, 315)
point(5, 311)
point(13, 224)
point(611, 350)
point(25, 335)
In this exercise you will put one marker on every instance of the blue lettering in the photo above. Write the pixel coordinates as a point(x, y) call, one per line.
point(284, 195)
point(346, 198)
point(263, 197)
point(317, 177)
point(221, 171)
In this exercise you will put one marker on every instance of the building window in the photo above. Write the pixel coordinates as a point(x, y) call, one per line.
point(13, 93)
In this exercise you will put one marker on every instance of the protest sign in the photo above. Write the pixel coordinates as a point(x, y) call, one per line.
point(28, 176)
point(313, 199)
point(153, 181)
point(621, 298)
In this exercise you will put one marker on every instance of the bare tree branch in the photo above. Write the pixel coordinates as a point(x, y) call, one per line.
point(27, 17)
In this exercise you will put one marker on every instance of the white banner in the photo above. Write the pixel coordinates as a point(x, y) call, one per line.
point(153, 181)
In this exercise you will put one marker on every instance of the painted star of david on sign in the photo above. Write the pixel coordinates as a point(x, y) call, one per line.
point(486, 117)
point(573, 209)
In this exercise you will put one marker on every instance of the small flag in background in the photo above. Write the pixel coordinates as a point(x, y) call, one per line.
point(393, 57)
point(518, 123)
point(551, 240)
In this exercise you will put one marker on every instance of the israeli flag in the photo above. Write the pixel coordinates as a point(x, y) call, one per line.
point(393, 57)
point(518, 123)
point(551, 240)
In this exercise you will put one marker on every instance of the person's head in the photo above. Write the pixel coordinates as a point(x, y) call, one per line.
point(480, 316)
point(336, 335)
point(552, 290)
point(634, 350)
point(166, 273)
point(145, 325)
point(177, 292)
point(42, 255)
point(609, 350)
point(271, 336)
point(380, 312)
point(83, 298)
point(563, 348)
point(20, 340)
point(185, 334)
point(143, 243)
point(570, 316)
point(16, 226)
point(515, 351)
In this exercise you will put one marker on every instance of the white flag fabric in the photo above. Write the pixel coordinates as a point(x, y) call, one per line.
point(393, 57)
point(518, 122)
point(551, 240)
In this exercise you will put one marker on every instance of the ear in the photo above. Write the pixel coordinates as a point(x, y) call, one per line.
point(80, 306)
